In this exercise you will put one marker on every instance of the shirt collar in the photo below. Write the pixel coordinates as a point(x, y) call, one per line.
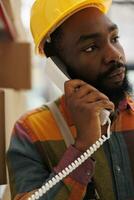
point(127, 102)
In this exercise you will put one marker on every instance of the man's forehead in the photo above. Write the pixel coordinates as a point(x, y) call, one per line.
point(87, 17)
point(89, 12)
point(92, 35)
point(89, 21)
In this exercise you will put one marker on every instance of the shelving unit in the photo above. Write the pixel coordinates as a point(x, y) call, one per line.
point(2, 140)
point(15, 78)
point(7, 28)
point(15, 56)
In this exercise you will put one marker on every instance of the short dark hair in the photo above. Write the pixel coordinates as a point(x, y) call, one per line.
point(52, 48)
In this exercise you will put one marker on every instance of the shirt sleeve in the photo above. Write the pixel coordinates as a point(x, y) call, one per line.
point(28, 172)
point(83, 173)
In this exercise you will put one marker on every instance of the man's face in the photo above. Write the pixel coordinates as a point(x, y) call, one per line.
point(91, 50)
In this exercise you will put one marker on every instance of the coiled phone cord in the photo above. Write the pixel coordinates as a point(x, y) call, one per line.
point(65, 172)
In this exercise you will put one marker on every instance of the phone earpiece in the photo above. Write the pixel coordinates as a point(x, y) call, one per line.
point(56, 75)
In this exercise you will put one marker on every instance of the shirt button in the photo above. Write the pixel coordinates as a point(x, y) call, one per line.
point(118, 169)
point(88, 173)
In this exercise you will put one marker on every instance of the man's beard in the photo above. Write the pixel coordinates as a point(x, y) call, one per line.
point(115, 94)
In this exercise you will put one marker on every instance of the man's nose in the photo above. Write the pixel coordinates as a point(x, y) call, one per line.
point(112, 54)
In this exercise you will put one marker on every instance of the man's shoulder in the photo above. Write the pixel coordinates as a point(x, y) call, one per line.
point(36, 116)
point(40, 124)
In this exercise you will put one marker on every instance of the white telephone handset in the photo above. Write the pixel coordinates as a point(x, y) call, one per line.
point(59, 78)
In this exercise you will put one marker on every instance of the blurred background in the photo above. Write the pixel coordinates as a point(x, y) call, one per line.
point(23, 83)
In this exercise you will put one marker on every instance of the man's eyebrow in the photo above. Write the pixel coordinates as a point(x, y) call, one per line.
point(88, 37)
point(113, 27)
point(91, 36)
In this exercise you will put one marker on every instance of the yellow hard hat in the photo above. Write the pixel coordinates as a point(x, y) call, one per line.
point(47, 15)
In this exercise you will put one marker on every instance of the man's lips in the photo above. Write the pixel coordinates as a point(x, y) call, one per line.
point(117, 72)
point(117, 76)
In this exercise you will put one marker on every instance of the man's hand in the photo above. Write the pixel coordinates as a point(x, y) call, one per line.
point(85, 104)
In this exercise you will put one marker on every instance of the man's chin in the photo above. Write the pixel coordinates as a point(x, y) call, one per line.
point(115, 91)
point(114, 86)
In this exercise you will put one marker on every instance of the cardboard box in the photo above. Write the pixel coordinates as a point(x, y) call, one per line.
point(15, 65)
point(2, 140)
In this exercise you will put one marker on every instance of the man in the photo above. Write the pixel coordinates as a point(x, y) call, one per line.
point(85, 39)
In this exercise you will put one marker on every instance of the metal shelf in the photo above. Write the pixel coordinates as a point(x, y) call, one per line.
point(7, 28)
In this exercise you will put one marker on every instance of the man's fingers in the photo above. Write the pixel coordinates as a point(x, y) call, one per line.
point(72, 85)
point(94, 96)
point(104, 104)
point(85, 90)
point(78, 86)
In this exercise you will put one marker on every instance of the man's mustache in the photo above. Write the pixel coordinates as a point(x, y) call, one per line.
point(113, 66)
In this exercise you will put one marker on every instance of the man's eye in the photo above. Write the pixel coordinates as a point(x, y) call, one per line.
point(91, 48)
point(115, 39)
